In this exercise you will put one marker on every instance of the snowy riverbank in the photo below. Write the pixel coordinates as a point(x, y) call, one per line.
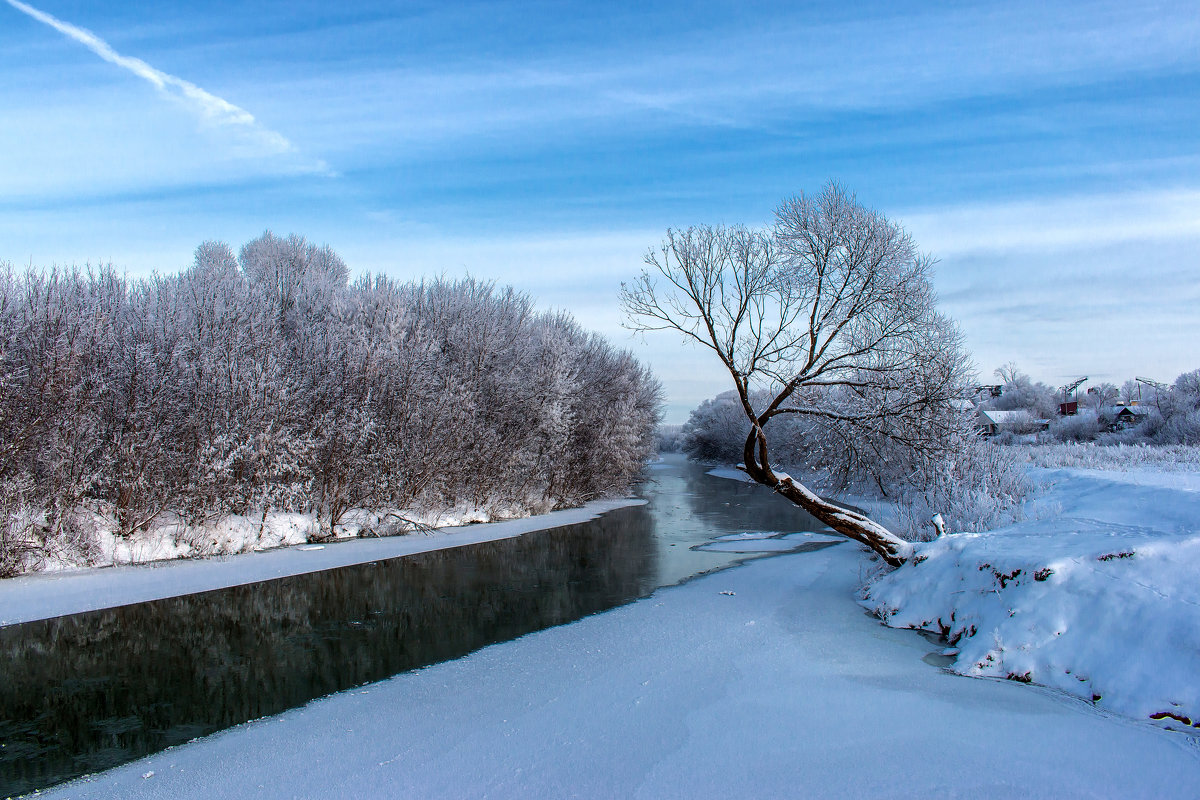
point(1096, 595)
point(53, 594)
point(762, 681)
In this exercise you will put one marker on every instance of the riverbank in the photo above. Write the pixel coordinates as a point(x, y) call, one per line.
point(1095, 594)
point(53, 594)
point(764, 680)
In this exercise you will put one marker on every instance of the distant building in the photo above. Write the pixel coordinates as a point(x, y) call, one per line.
point(1069, 408)
point(1128, 416)
point(1020, 420)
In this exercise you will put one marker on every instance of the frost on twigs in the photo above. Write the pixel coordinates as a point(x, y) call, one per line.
point(158, 415)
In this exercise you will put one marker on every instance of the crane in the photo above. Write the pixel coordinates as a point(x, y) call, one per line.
point(1072, 387)
point(1162, 387)
point(1158, 387)
point(1070, 407)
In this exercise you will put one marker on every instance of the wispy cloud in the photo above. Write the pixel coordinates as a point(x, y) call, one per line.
point(1057, 223)
point(208, 106)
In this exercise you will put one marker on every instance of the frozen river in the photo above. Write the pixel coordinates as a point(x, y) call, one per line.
point(89, 691)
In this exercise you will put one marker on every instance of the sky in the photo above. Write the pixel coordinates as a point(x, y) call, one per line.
point(1046, 154)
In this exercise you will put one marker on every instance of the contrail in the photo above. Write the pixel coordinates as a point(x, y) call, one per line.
point(209, 106)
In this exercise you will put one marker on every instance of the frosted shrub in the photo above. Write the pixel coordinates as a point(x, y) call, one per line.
point(1078, 428)
point(1182, 427)
point(1110, 457)
point(22, 540)
point(979, 487)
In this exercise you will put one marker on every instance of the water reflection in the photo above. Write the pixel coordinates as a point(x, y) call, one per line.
point(689, 507)
point(91, 691)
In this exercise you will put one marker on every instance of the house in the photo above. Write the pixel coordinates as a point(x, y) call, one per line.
point(1021, 420)
point(1128, 416)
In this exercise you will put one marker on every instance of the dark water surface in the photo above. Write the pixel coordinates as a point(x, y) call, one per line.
point(86, 692)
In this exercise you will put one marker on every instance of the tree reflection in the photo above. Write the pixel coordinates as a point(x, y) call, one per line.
point(90, 691)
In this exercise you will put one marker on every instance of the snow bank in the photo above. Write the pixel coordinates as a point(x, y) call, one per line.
point(53, 594)
point(1100, 600)
point(231, 534)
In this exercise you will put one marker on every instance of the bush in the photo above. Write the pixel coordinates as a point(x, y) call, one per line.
point(980, 487)
point(1078, 428)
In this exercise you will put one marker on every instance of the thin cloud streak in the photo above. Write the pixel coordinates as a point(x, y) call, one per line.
point(213, 109)
point(1056, 223)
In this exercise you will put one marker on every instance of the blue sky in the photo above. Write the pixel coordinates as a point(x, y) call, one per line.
point(1047, 154)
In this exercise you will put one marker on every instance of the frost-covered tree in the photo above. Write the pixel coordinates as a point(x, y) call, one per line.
point(832, 312)
point(1020, 392)
point(1102, 395)
point(716, 429)
point(1130, 392)
point(267, 382)
point(1180, 409)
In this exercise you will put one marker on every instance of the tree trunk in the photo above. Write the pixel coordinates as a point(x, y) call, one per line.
point(890, 547)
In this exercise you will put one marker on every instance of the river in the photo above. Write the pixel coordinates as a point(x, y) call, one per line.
point(86, 692)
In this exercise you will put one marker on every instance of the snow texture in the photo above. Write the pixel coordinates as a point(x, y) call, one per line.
point(1097, 596)
point(45, 595)
point(762, 681)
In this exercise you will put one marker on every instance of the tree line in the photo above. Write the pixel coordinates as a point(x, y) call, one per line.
point(268, 381)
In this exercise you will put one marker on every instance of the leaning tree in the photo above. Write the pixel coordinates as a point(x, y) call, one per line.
point(833, 313)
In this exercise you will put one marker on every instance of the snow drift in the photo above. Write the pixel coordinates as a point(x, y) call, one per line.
point(1099, 600)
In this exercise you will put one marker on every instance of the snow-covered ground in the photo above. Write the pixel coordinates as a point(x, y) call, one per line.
point(52, 594)
point(1095, 594)
point(762, 681)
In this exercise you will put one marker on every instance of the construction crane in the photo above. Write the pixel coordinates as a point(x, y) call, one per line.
point(1162, 387)
point(1072, 387)
point(1158, 387)
point(1070, 407)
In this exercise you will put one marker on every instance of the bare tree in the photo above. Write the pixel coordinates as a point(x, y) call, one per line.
point(1103, 395)
point(1130, 392)
point(833, 313)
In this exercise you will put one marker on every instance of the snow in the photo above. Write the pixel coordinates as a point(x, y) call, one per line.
point(762, 681)
point(1096, 595)
point(53, 594)
point(1181, 481)
point(171, 538)
point(730, 473)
